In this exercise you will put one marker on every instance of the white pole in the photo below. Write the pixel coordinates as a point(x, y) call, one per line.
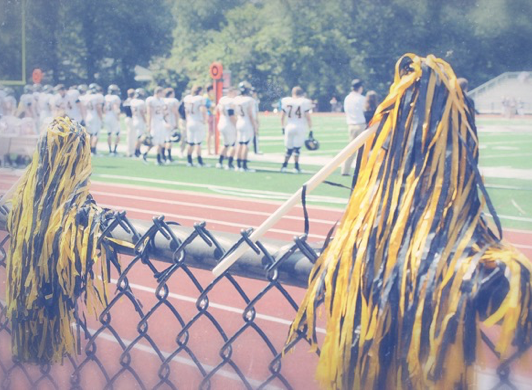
point(314, 181)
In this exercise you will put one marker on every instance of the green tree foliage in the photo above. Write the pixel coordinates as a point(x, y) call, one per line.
point(95, 41)
point(323, 44)
point(275, 44)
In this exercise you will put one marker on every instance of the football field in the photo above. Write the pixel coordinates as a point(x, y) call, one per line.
point(230, 201)
point(505, 151)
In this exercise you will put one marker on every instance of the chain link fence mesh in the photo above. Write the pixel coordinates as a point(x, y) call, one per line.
point(169, 325)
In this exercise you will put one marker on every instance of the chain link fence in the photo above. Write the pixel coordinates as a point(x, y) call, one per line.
point(169, 325)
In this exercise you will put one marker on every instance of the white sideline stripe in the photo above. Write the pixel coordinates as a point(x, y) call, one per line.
point(205, 194)
point(484, 156)
point(196, 219)
point(204, 206)
point(178, 359)
point(522, 246)
point(310, 198)
point(231, 309)
point(524, 219)
point(248, 192)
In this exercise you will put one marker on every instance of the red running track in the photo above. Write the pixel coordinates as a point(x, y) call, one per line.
point(221, 213)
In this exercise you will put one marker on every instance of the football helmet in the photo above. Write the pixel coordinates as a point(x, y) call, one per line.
point(59, 87)
point(175, 137)
point(147, 140)
point(312, 143)
point(244, 87)
point(82, 88)
point(113, 90)
point(140, 93)
point(93, 87)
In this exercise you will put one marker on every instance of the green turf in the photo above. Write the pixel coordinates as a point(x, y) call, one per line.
point(504, 143)
point(267, 178)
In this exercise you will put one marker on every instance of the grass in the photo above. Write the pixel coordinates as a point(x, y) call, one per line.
point(504, 144)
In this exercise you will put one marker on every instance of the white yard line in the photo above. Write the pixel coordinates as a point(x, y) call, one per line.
point(208, 220)
point(242, 191)
point(518, 207)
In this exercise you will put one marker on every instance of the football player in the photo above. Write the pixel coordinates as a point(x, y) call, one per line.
point(210, 104)
point(37, 91)
point(196, 119)
point(227, 127)
point(172, 117)
point(138, 112)
point(45, 106)
point(296, 123)
point(246, 124)
point(59, 101)
point(10, 102)
point(130, 132)
point(93, 103)
point(157, 126)
point(26, 105)
point(111, 110)
point(74, 109)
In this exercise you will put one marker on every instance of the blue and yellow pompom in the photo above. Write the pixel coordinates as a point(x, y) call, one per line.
point(402, 279)
point(54, 257)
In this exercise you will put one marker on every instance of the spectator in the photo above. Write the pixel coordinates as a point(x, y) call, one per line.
point(370, 105)
point(354, 112)
point(336, 106)
point(130, 130)
point(210, 103)
point(464, 84)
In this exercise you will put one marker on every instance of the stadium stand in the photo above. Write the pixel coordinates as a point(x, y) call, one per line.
point(517, 85)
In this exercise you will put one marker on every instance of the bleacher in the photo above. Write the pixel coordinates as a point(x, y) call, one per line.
point(515, 86)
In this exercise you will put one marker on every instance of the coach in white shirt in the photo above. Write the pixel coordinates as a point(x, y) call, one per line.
point(356, 122)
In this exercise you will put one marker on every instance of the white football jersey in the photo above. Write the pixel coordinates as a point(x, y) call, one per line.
point(91, 102)
point(27, 101)
point(73, 111)
point(45, 105)
point(10, 105)
point(171, 106)
point(193, 106)
point(138, 107)
point(110, 101)
point(296, 109)
point(157, 109)
point(243, 106)
point(59, 105)
point(226, 103)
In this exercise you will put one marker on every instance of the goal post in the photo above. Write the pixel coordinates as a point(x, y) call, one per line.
point(13, 42)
